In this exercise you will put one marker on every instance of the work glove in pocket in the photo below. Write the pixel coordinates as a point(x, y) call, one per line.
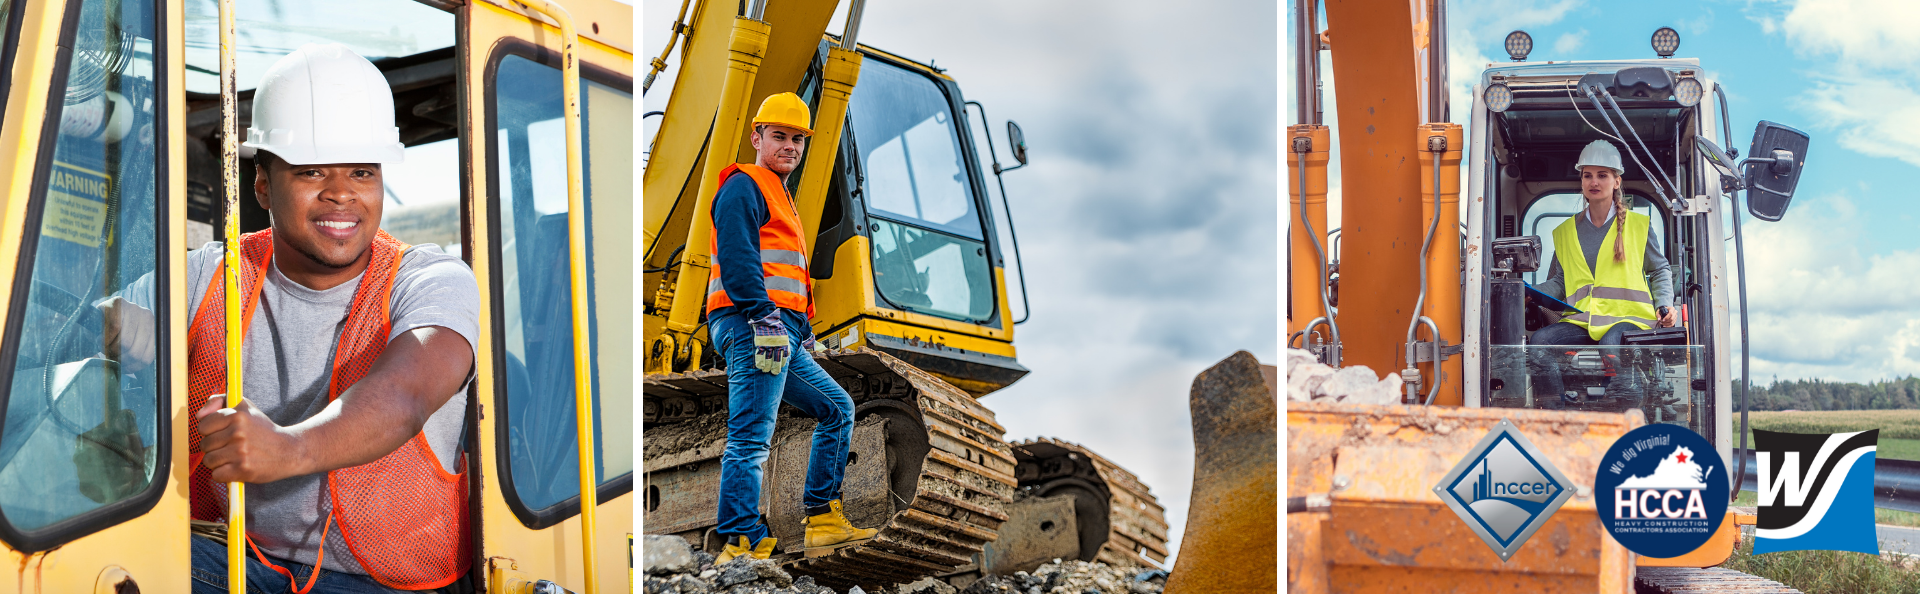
point(770, 344)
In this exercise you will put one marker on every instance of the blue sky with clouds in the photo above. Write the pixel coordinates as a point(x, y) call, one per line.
point(1835, 287)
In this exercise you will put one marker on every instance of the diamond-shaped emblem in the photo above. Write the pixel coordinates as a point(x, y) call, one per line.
point(1504, 489)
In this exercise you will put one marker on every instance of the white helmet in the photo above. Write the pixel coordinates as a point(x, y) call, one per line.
point(1600, 153)
point(323, 104)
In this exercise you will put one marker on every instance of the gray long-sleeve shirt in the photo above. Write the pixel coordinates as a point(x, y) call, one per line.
point(1659, 276)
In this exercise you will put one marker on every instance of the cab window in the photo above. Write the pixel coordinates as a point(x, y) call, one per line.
point(531, 282)
point(1548, 211)
point(929, 248)
point(82, 441)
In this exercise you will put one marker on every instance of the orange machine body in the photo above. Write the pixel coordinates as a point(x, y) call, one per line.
point(1380, 227)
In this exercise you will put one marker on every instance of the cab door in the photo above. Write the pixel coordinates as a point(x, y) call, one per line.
point(516, 158)
point(92, 429)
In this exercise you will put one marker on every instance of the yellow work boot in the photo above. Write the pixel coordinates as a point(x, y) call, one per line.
point(731, 551)
point(829, 531)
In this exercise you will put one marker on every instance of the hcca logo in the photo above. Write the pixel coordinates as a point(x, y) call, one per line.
point(1661, 490)
point(1815, 491)
point(1504, 489)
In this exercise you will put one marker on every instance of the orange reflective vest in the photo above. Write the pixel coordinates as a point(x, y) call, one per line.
point(783, 246)
point(403, 516)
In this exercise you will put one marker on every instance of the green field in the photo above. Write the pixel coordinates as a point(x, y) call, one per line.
point(1899, 429)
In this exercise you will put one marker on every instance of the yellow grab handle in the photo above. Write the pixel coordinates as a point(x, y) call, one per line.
point(230, 176)
point(577, 275)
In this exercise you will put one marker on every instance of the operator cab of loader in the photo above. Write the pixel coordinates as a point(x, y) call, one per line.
point(1531, 121)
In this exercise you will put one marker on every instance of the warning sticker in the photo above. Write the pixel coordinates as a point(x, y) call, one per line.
point(76, 205)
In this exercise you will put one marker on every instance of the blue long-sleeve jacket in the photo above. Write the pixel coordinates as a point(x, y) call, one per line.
point(738, 213)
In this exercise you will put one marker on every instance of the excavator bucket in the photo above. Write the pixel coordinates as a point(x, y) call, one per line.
point(1380, 527)
point(1230, 540)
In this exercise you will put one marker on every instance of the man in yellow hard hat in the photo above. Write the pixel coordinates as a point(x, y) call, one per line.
point(759, 298)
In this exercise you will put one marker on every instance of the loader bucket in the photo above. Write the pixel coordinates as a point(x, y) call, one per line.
point(1383, 528)
point(1230, 542)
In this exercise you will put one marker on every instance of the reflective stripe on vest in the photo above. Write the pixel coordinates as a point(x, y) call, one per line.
point(783, 260)
point(1615, 293)
point(403, 516)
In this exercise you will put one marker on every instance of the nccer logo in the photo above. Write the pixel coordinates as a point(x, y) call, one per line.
point(1504, 489)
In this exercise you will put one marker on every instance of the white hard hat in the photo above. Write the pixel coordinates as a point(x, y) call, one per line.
point(1600, 153)
point(323, 104)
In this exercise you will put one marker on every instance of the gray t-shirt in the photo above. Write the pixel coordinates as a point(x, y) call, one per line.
point(1659, 275)
point(289, 358)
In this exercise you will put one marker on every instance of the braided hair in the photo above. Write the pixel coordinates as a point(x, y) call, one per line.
point(1620, 206)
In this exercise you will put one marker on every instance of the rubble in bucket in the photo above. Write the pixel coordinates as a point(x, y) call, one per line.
point(1309, 380)
point(672, 567)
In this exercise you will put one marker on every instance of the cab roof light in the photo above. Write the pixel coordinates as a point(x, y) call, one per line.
point(1519, 44)
point(1666, 41)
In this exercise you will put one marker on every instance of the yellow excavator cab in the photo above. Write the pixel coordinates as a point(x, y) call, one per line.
point(111, 122)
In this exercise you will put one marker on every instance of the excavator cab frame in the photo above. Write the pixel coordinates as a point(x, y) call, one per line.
point(1521, 159)
point(112, 129)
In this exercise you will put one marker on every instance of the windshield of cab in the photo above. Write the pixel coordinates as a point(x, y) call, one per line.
point(929, 251)
point(265, 30)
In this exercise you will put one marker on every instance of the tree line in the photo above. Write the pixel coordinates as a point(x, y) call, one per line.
point(1817, 394)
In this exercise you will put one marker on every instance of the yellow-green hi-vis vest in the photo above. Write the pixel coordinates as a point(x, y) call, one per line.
point(1615, 293)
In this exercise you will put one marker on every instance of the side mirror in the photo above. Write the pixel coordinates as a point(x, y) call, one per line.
point(1778, 155)
point(1019, 141)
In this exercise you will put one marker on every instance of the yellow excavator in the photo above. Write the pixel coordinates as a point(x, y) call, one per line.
point(910, 298)
point(516, 118)
point(1428, 279)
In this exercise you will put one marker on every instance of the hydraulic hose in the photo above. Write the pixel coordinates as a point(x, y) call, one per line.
point(1746, 370)
point(1419, 305)
point(1320, 255)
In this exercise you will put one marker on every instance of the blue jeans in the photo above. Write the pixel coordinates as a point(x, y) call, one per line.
point(1546, 362)
point(210, 574)
point(753, 402)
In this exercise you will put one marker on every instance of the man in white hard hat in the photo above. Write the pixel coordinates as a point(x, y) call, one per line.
point(759, 299)
point(357, 352)
point(1627, 287)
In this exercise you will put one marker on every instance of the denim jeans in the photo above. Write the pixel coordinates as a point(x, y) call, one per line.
point(1546, 362)
point(210, 574)
point(753, 402)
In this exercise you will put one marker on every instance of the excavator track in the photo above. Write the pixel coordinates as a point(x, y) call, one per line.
point(1119, 518)
point(938, 492)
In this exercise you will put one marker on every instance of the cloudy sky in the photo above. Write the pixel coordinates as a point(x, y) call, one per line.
point(1148, 215)
point(1832, 287)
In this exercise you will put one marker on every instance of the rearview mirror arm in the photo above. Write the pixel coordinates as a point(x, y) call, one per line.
point(1026, 310)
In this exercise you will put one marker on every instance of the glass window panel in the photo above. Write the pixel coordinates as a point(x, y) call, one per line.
point(1549, 211)
point(268, 29)
point(423, 196)
point(910, 151)
point(531, 172)
point(1658, 380)
point(82, 411)
point(931, 272)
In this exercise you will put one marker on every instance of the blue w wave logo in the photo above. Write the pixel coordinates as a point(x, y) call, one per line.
point(1815, 491)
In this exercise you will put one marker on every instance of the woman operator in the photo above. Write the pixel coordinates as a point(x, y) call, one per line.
point(1606, 254)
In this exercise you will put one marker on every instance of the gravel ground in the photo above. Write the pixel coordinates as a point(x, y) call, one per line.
point(672, 567)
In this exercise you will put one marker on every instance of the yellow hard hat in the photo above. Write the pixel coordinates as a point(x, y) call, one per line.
point(784, 109)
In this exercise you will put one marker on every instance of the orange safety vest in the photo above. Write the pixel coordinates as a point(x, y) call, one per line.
point(783, 246)
point(403, 516)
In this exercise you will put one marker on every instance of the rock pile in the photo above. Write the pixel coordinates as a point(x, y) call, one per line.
point(672, 567)
point(1309, 380)
point(1071, 577)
